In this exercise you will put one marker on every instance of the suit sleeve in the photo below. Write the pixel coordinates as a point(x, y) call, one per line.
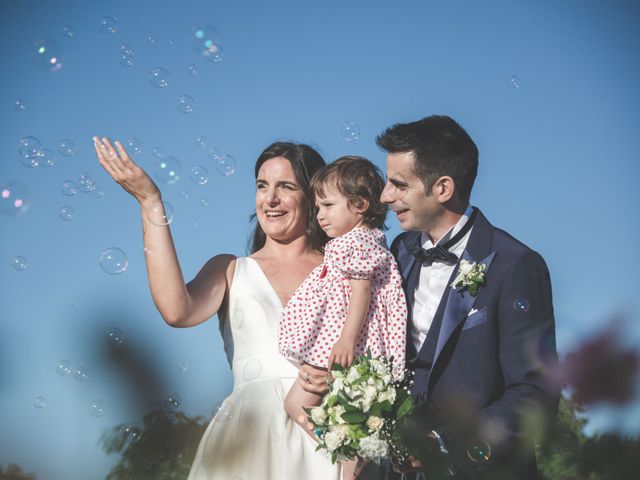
point(526, 330)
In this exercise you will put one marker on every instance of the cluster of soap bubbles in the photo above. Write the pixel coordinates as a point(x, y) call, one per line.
point(33, 154)
point(350, 131)
point(20, 105)
point(14, 199)
point(134, 146)
point(84, 184)
point(204, 43)
point(64, 368)
point(225, 163)
point(126, 55)
point(113, 261)
point(514, 81)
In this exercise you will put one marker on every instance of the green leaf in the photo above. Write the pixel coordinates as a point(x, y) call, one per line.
point(354, 417)
point(375, 410)
point(343, 399)
point(386, 406)
point(351, 408)
point(331, 401)
point(334, 457)
point(405, 407)
point(337, 367)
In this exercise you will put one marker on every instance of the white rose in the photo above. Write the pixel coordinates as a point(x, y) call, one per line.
point(465, 267)
point(373, 447)
point(332, 440)
point(318, 415)
point(389, 394)
point(337, 385)
point(353, 375)
point(374, 423)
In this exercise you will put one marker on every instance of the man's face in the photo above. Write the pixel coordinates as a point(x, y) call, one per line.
point(405, 194)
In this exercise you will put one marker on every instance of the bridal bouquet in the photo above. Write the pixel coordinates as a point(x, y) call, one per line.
point(360, 415)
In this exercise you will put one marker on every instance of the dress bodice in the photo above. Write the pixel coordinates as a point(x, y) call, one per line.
point(250, 326)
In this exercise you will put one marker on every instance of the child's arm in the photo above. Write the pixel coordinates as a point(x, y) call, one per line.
point(343, 351)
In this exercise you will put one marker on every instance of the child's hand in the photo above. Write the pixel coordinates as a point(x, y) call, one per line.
point(342, 352)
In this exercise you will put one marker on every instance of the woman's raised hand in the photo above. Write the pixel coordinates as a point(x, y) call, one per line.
point(125, 172)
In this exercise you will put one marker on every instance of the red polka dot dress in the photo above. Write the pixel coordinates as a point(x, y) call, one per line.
point(312, 321)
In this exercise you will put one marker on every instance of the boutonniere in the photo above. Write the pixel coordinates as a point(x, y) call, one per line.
point(470, 276)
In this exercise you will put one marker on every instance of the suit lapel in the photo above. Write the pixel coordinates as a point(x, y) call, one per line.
point(410, 270)
point(459, 301)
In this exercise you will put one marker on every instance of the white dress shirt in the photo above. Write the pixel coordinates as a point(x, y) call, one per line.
point(433, 281)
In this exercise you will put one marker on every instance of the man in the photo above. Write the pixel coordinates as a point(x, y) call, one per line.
point(481, 326)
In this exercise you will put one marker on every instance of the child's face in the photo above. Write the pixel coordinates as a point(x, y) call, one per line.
point(336, 215)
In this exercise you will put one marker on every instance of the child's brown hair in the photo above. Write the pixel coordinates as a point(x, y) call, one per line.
point(357, 179)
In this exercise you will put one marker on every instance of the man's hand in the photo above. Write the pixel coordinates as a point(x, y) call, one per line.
point(413, 465)
point(313, 380)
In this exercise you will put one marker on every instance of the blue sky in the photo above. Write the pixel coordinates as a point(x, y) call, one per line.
point(558, 168)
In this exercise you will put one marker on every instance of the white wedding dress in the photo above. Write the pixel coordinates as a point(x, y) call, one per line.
point(251, 437)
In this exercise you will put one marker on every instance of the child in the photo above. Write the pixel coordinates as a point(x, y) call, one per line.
point(354, 300)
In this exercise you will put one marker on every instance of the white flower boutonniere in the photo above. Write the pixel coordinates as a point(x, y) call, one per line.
point(470, 276)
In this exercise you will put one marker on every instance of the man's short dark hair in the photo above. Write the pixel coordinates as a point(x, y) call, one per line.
point(440, 147)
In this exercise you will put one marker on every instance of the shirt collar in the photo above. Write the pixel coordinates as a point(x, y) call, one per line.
point(426, 241)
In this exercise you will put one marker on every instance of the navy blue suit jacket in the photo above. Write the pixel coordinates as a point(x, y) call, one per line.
point(488, 365)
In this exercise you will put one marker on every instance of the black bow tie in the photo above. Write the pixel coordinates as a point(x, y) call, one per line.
point(441, 253)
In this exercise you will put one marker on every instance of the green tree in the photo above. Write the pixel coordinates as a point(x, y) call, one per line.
point(14, 472)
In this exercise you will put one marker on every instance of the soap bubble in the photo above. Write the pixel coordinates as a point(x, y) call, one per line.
point(115, 336)
point(19, 105)
point(126, 55)
point(160, 213)
point(98, 190)
point(68, 31)
point(63, 368)
point(185, 104)
point(214, 53)
point(14, 199)
point(19, 263)
point(167, 169)
point(66, 213)
point(204, 202)
point(85, 183)
point(199, 175)
point(514, 81)
point(213, 153)
point(133, 146)
point(151, 39)
point(47, 56)
point(183, 367)
point(201, 141)
point(113, 261)
point(479, 451)
point(40, 403)
point(223, 411)
point(97, 408)
point(108, 25)
point(159, 77)
point(173, 401)
point(521, 305)
point(157, 153)
point(45, 158)
point(204, 43)
point(192, 70)
point(252, 369)
point(29, 147)
point(184, 195)
point(130, 432)
point(66, 147)
point(81, 374)
point(69, 188)
point(350, 131)
point(226, 165)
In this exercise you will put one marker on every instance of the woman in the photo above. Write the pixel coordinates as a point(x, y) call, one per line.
point(251, 436)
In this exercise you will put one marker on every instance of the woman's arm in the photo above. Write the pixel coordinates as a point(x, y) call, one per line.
point(180, 305)
point(343, 351)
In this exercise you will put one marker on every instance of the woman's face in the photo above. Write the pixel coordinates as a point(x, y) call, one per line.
point(280, 201)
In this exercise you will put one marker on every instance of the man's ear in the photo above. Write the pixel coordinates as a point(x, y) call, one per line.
point(444, 189)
